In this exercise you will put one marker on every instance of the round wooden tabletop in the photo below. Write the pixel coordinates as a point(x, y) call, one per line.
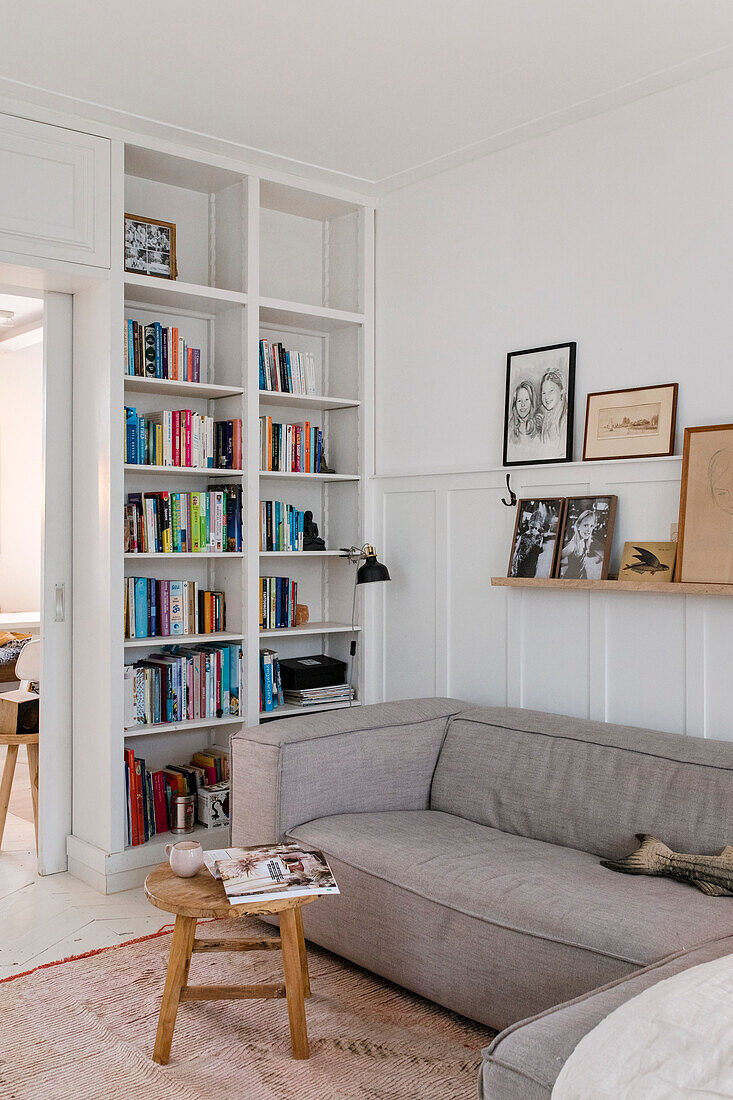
point(204, 896)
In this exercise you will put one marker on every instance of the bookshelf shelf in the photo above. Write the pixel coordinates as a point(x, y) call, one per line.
point(181, 639)
point(307, 318)
point(181, 471)
point(177, 295)
point(301, 555)
point(649, 588)
point(309, 628)
point(143, 855)
point(167, 387)
point(281, 475)
point(289, 710)
point(306, 401)
point(181, 727)
point(190, 556)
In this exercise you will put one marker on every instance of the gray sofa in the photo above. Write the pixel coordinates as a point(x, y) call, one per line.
point(466, 843)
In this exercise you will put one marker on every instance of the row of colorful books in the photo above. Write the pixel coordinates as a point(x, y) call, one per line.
point(290, 448)
point(278, 600)
point(158, 351)
point(271, 688)
point(182, 437)
point(281, 526)
point(162, 522)
point(163, 609)
point(183, 683)
point(149, 792)
point(286, 371)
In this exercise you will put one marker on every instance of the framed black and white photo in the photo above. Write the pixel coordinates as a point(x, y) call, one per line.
point(538, 420)
point(586, 538)
point(150, 247)
point(536, 537)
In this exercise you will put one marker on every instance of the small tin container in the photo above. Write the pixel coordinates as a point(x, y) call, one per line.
point(183, 812)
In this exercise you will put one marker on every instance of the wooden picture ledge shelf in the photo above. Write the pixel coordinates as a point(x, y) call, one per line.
point(656, 588)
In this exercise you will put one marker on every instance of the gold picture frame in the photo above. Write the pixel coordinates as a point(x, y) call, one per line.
point(150, 247)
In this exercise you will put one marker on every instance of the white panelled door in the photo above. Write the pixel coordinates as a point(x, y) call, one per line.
point(54, 822)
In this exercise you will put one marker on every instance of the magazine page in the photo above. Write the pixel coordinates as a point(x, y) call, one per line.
point(274, 872)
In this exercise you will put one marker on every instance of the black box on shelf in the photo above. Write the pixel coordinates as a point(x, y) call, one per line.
point(315, 671)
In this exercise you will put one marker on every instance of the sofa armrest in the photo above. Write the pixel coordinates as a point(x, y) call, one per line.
point(356, 760)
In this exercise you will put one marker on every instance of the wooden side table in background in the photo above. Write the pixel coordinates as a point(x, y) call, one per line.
point(201, 897)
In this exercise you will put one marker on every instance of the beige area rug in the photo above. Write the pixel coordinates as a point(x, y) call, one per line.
point(84, 1030)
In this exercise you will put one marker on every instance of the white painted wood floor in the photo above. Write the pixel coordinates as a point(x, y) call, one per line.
point(43, 919)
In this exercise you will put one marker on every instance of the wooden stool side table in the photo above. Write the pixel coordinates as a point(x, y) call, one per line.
point(193, 899)
point(14, 741)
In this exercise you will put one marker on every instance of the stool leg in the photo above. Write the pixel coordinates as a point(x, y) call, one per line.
point(303, 954)
point(6, 785)
point(32, 751)
point(175, 979)
point(293, 983)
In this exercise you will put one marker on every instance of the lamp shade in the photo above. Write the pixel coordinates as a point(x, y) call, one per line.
point(371, 570)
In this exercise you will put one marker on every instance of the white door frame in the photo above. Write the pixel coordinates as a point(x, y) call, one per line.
point(55, 742)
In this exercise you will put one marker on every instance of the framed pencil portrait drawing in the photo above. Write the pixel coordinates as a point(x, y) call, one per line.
point(635, 423)
point(705, 538)
point(538, 411)
point(536, 537)
point(586, 538)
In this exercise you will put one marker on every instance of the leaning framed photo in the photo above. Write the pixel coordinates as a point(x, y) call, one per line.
point(536, 537)
point(586, 537)
point(150, 247)
point(538, 412)
point(705, 531)
point(635, 423)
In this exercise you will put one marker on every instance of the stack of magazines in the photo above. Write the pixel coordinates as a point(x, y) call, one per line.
point(311, 697)
point(270, 873)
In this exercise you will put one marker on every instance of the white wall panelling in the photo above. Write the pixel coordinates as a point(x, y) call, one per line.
point(647, 661)
point(54, 192)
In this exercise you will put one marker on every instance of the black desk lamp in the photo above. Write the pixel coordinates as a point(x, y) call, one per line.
point(371, 570)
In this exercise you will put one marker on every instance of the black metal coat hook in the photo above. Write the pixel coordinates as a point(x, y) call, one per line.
point(512, 502)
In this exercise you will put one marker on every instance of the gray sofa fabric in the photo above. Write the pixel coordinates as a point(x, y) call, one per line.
point(586, 785)
point(524, 1061)
point(540, 923)
point(380, 757)
point(466, 843)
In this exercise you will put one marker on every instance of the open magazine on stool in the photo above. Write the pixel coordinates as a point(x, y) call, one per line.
point(271, 872)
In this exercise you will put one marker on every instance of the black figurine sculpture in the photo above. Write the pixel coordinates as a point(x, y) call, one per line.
point(311, 541)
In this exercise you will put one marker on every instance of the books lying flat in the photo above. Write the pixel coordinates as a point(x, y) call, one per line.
point(271, 873)
point(310, 697)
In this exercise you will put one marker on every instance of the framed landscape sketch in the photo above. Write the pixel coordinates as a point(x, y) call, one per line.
point(705, 533)
point(535, 542)
point(586, 537)
point(636, 423)
point(538, 415)
point(150, 247)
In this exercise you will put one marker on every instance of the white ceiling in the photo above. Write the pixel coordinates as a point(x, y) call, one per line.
point(376, 90)
point(26, 311)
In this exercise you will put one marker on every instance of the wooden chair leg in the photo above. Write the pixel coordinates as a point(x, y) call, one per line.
point(175, 979)
point(6, 785)
point(32, 751)
point(303, 953)
point(294, 983)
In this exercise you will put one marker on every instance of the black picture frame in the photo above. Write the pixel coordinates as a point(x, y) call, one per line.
point(536, 444)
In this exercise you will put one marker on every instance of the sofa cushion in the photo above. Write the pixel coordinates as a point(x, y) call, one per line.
point(524, 1061)
point(539, 923)
point(586, 785)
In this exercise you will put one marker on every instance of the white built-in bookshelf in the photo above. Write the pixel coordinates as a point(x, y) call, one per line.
point(257, 259)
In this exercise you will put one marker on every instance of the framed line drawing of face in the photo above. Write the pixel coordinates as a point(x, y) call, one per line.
point(587, 535)
point(538, 418)
point(535, 542)
point(705, 538)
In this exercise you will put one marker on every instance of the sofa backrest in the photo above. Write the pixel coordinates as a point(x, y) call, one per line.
point(585, 785)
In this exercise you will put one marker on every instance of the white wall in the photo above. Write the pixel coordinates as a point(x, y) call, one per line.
point(615, 232)
point(21, 419)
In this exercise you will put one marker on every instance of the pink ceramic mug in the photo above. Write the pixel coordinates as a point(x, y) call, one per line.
point(185, 858)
